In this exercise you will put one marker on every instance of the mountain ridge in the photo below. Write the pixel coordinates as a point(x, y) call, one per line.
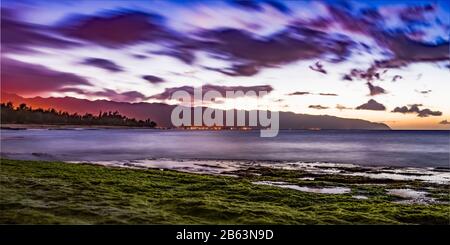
point(160, 112)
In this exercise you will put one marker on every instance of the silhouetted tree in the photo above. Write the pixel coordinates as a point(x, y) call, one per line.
point(24, 114)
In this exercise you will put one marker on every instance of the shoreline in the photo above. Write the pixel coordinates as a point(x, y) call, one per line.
point(65, 127)
point(222, 166)
point(13, 126)
point(438, 175)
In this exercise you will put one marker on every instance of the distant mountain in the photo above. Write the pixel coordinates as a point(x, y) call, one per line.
point(160, 112)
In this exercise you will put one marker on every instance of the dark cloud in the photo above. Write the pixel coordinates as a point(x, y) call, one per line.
point(402, 109)
point(408, 51)
point(347, 77)
point(403, 47)
point(428, 112)
point(205, 88)
point(375, 90)
point(19, 36)
point(103, 64)
point(416, 13)
point(444, 122)
point(372, 105)
point(153, 79)
point(140, 56)
point(318, 67)
point(278, 5)
point(238, 70)
point(250, 54)
point(25, 78)
point(117, 28)
point(72, 90)
point(129, 96)
point(415, 109)
point(424, 91)
point(247, 4)
point(318, 107)
point(396, 77)
point(308, 93)
point(131, 27)
point(369, 74)
point(185, 55)
point(257, 5)
point(299, 93)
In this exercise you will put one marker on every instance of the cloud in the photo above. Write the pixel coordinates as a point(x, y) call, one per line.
point(372, 105)
point(116, 28)
point(415, 109)
point(299, 93)
point(377, 24)
point(318, 107)
point(129, 96)
point(331, 34)
point(396, 77)
point(318, 67)
point(249, 53)
point(347, 77)
point(424, 91)
point(428, 112)
point(25, 78)
point(369, 74)
point(103, 64)
point(279, 6)
point(179, 52)
point(408, 51)
point(246, 70)
point(375, 90)
point(444, 122)
point(130, 28)
point(341, 107)
point(328, 35)
point(153, 79)
point(258, 5)
point(309, 93)
point(18, 36)
point(205, 88)
point(247, 4)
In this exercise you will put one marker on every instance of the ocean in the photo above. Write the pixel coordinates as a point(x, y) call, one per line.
point(360, 147)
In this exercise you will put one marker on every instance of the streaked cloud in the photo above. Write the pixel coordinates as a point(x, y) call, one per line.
point(31, 79)
point(153, 79)
point(318, 107)
point(103, 64)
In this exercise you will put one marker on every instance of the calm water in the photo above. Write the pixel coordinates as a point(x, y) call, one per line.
point(390, 148)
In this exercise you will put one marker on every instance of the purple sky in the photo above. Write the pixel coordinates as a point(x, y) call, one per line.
point(384, 61)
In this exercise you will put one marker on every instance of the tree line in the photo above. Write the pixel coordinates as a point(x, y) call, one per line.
point(24, 114)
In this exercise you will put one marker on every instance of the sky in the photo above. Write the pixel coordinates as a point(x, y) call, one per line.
point(383, 61)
